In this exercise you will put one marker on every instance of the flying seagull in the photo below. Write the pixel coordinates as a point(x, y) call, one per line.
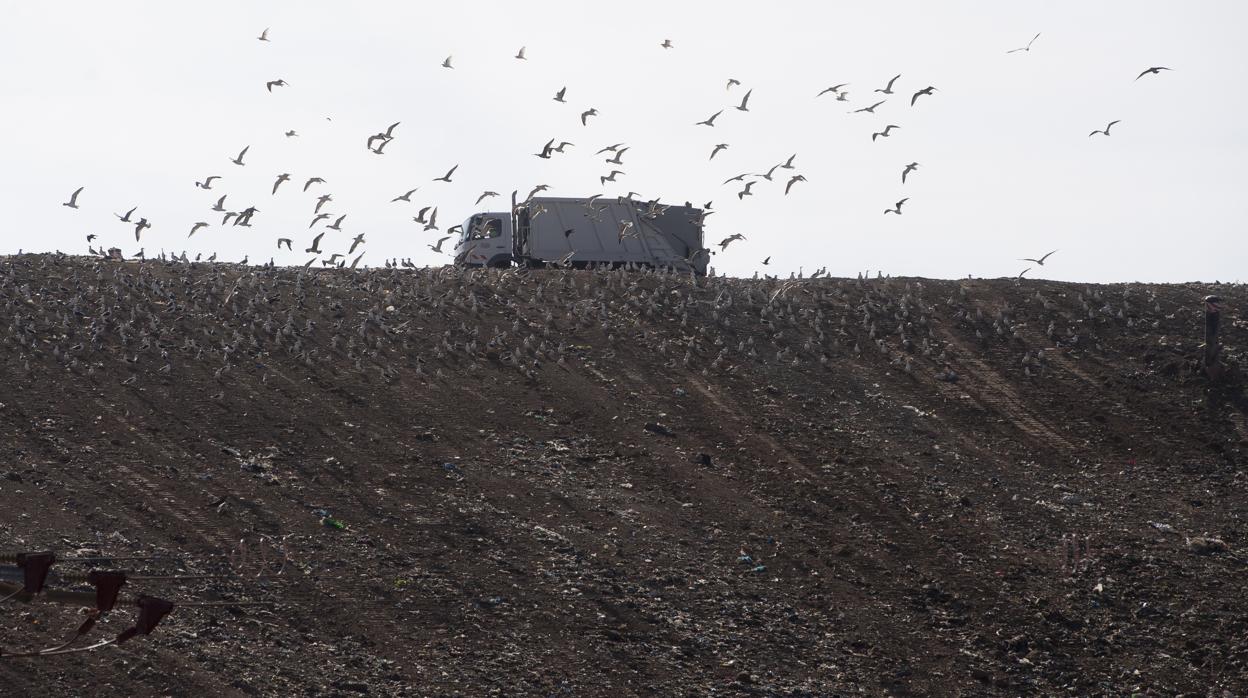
point(281, 241)
point(909, 168)
point(888, 89)
point(316, 244)
point(718, 148)
point(586, 114)
point(1106, 131)
point(447, 63)
point(1155, 71)
point(337, 225)
point(406, 196)
point(745, 192)
point(925, 91)
point(723, 244)
point(239, 160)
point(138, 228)
point(795, 179)
point(196, 227)
point(559, 95)
point(610, 177)
point(264, 35)
point(125, 218)
point(711, 120)
point(616, 160)
point(1037, 261)
point(885, 132)
point(897, 208)
point(833, 89)
point(485, 195)
point(1025, 48)
point(438, 247)
point(446, 177)
point(731, 82)
point(520, 54)
point(744, 100)
point(870, 109)
point(219, 207)
point(280, 178)
point(311, 181)
point(291, 133)
point(73, 198)
point(667, 43)
point(356, 242)
point(320, 201)
point(207, 183)
point(546, 150)
point(611, 148)
point(275, 83)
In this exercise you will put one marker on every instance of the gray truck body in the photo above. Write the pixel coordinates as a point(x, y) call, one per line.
point(578, 232)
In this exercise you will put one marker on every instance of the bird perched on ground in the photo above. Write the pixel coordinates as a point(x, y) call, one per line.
point(723, 244)
point(280, 178)
point(586, 114)
point(795, 179)
point(888, 89)
point(239, 160)
point(744, 101)
point(196, 227)
point(710, 121)
point(207, 183)
point(716, 150)
point(885, 132)
point(897, 207)
point(559, 95)
point(870, 109)
point(1155, 71)
point(909, 168)
point(73, 198)
point(1027, 47)
point(406, 196)
point(1105, 132)
point(274, 83)
point(446, 177)
point(1037, 261)
point(925, 91)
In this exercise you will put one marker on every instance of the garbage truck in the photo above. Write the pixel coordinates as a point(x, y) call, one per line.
point(585, 232)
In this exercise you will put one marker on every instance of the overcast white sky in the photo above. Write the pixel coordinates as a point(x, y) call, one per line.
point(138, 100)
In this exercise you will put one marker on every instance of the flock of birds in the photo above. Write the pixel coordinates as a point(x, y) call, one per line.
point(427, 215)
point(165, 320)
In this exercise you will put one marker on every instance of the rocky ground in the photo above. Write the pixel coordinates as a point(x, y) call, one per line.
point(613, 483)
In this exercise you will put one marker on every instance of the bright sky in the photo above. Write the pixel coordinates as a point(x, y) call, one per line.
point(136, 101)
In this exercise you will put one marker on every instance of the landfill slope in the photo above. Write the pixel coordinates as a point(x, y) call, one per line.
point(619, 483)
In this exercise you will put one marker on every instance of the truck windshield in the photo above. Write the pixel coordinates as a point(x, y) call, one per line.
point(483, 227)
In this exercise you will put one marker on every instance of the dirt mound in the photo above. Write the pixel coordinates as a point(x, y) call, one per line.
point(613, 483)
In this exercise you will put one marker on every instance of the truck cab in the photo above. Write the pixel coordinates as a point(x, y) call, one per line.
point(486, 241)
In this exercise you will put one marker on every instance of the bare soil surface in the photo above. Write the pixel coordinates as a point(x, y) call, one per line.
point(619, 483)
